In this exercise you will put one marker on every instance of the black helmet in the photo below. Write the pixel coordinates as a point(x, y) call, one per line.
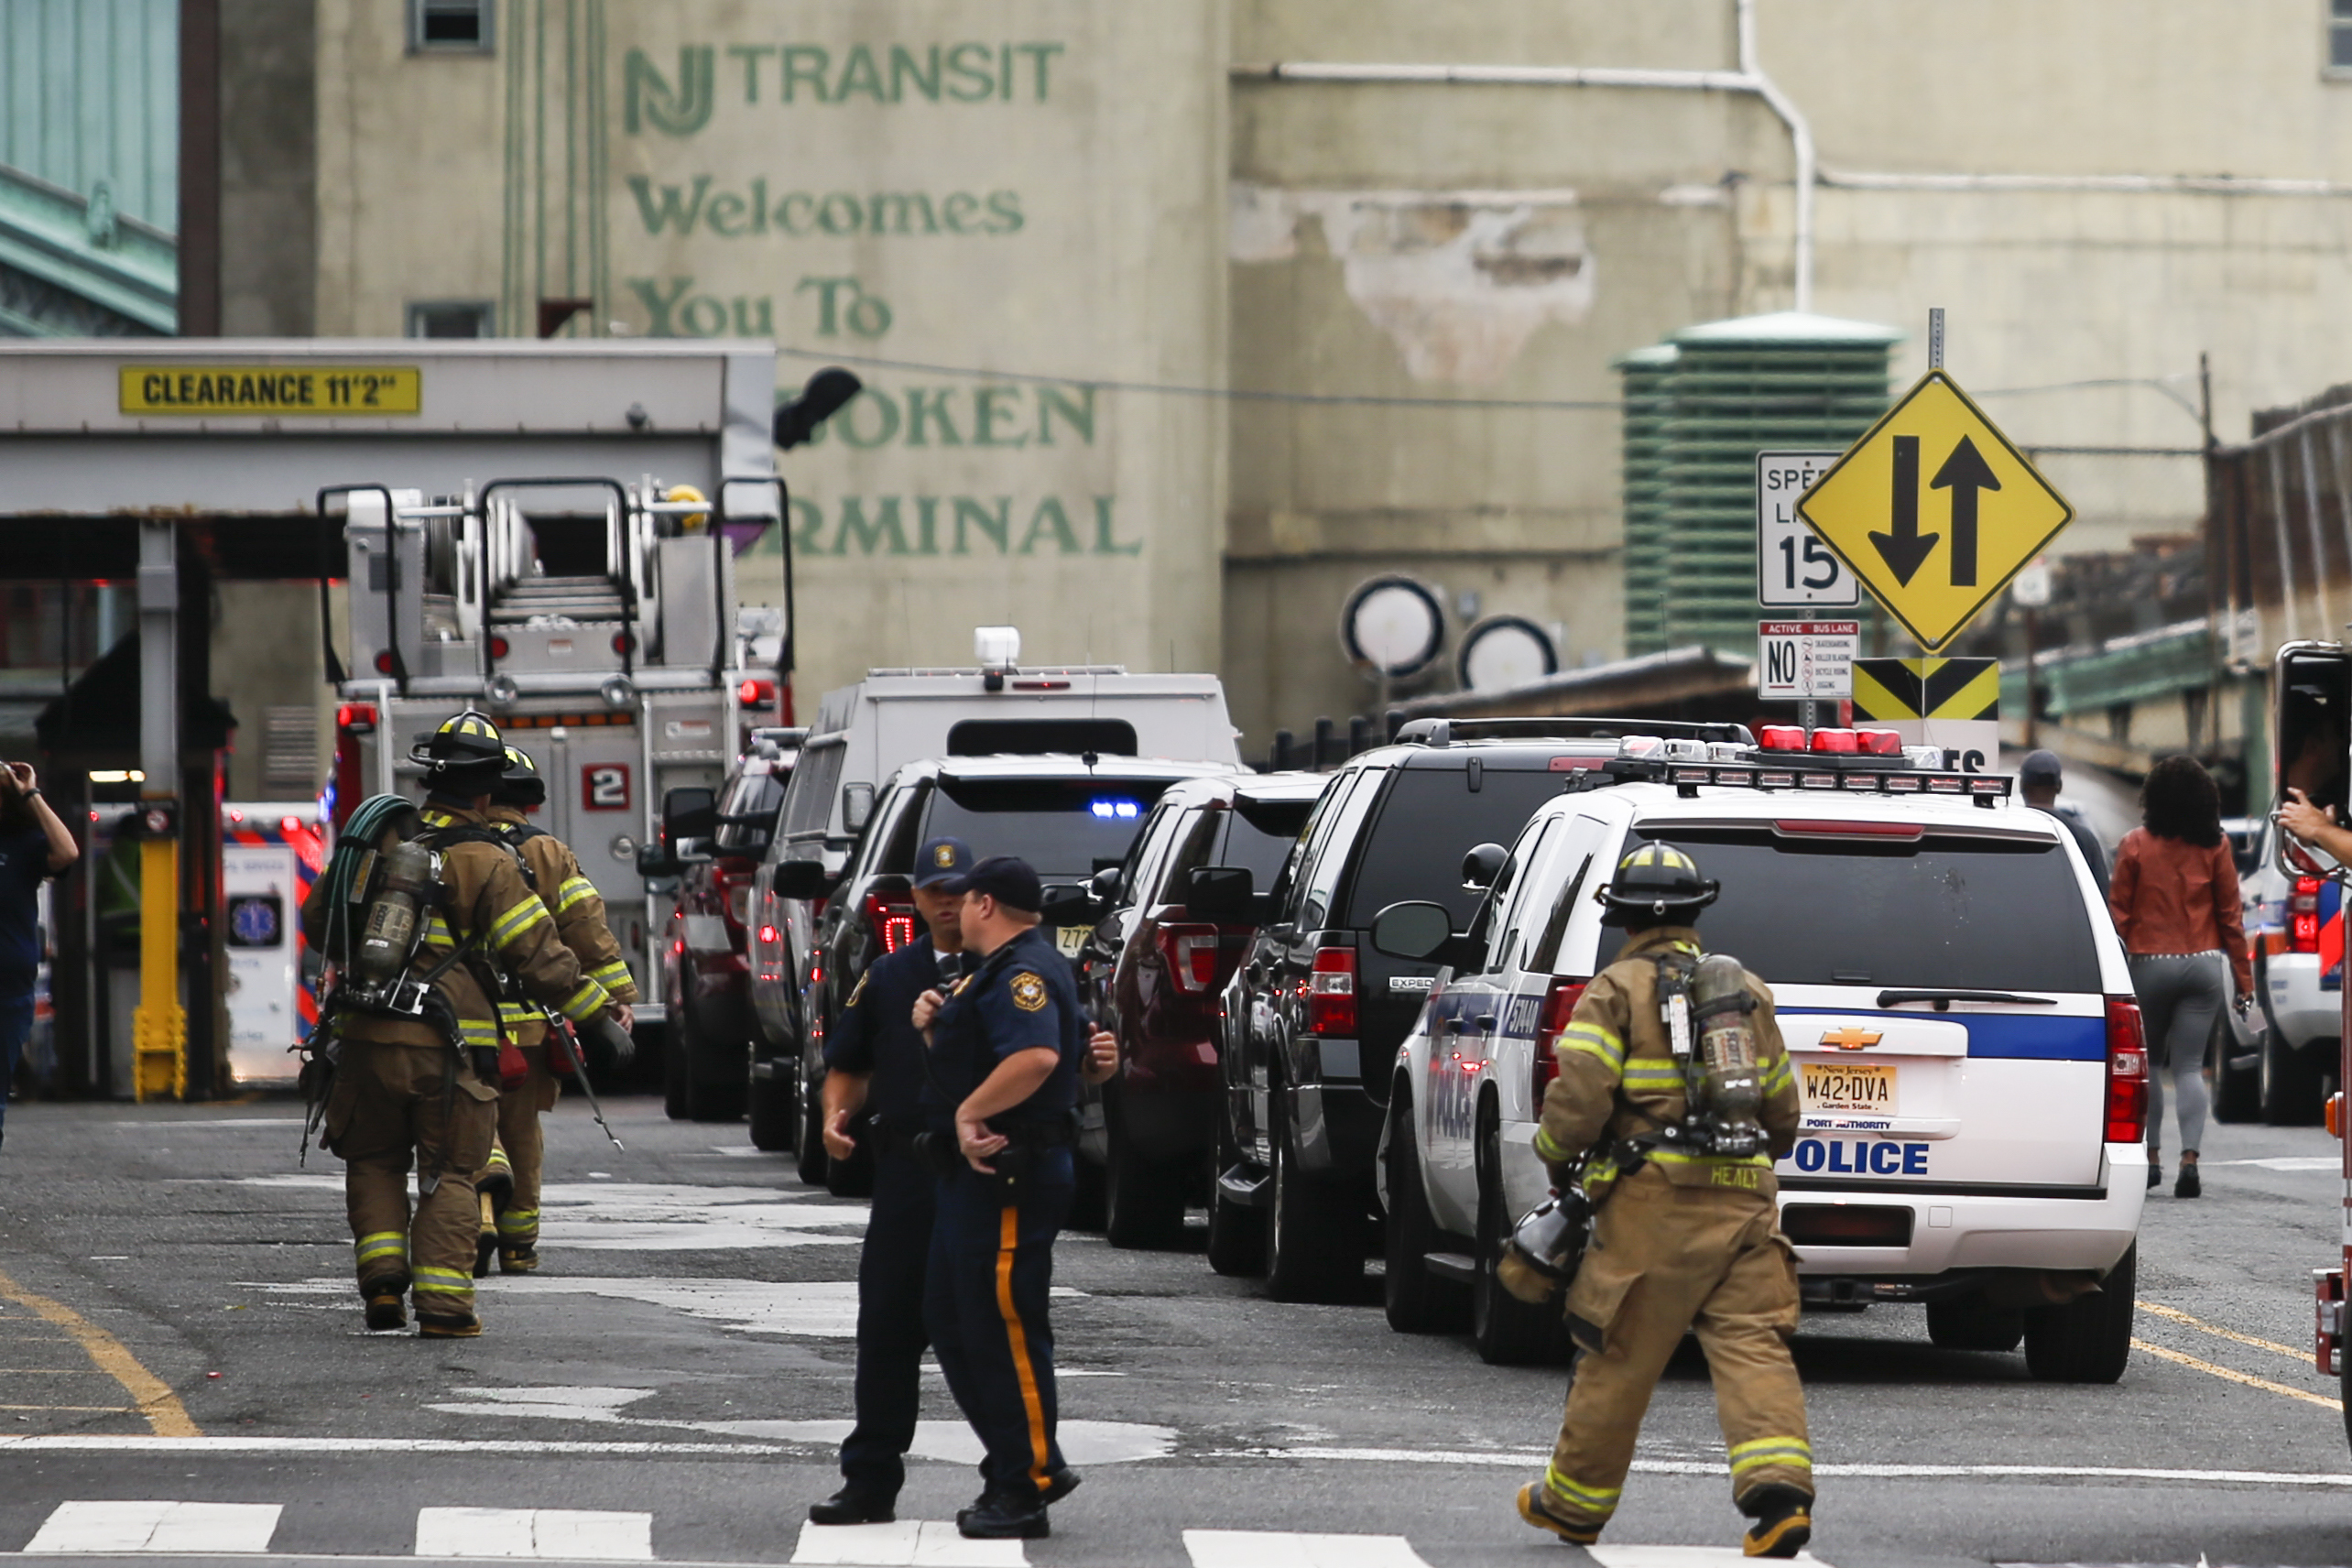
point(521, 784)
point(464, 756)
point(1655, 881)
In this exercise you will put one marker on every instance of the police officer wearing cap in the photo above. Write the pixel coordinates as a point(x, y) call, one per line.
point(1007, 1047)
point(874, 1061)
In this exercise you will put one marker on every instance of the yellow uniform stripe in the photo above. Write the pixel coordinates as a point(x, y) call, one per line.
point(519, 1221)
point(1596, 1501)
point(1548, 1151)
point(1007, 1238)
point(1654, 1073)
point(574, 890)
point(382, 1244)
point(586, 1002)
point(616, 973)
point(516, 921)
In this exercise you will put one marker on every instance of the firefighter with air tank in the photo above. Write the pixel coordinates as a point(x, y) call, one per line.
point(1674, 1097)
point(422, 924)
point(511, 1182)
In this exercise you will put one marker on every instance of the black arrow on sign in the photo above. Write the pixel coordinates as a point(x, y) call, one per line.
point(1964, 473)
point(1906, 548)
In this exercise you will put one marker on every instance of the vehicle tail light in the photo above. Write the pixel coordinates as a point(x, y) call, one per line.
point(739, 903)
point(767, 933)
point(624, 643)
point(1331, 992)
point(1191, 953)
point(2127, 1072)
point(1559, 1006)
point(383, 662)
point(893, 922)
point(1782, 737)
point(499, 647)
point(2302, 911)
point(2333, 1115)
point(359, 718)
point(755, 693)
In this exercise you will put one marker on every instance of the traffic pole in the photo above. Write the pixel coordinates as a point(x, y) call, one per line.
point(159, 1026)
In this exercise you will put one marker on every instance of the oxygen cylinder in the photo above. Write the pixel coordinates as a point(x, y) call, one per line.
point(389, 935)
point(1726, 1089)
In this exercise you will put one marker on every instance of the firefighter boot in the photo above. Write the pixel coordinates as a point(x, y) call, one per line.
point(485, 1240)
point(1535, 1509)
point(383, 1306)
point(518, 1258)
point(1783, 1517)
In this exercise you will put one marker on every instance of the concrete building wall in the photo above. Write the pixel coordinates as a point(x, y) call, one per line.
point(269, 169)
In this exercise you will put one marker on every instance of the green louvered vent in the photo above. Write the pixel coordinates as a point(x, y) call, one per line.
point(1696, 415)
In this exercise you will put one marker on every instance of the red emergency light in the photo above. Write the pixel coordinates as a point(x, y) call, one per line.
point(1843, 743)
point(1782, 737)
point(755, 693)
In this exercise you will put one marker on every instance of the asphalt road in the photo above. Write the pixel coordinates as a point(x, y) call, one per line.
point(180, 1334)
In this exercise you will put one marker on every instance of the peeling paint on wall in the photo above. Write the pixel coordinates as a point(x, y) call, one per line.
point(1459, 281)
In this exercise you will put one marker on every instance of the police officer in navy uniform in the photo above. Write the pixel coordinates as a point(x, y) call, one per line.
point(874, 1061)
point(1008, 1047)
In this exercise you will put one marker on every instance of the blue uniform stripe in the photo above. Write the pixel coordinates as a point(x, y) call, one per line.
point(2031, 1037)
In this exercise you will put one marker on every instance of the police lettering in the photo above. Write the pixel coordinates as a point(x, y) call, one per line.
point(1877, 1158)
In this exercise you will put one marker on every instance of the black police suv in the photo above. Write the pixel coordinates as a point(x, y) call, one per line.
point(1314, 1013)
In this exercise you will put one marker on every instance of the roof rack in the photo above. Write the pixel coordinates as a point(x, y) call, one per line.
point(1688, 764)
point(1446, 732)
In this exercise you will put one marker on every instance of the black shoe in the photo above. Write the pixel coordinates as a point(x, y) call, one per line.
point(846, 1507)
point(2188, 1186)
point(387, 1312)
point(1783, 1524)
point(1003, 1518)
point(2155, 1175)
point(1060, 1485)
point(519, 1258)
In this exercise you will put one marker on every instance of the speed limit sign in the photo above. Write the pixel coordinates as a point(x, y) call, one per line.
point(1793, 568)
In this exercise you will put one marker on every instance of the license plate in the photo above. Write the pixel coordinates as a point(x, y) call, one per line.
point(1842, 1088)
point(1069, 940)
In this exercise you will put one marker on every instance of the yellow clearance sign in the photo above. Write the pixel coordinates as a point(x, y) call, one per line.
point(1934, 510)
point(273, 390)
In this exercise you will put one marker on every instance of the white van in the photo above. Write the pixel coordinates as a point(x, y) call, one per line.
point(1958, 1006)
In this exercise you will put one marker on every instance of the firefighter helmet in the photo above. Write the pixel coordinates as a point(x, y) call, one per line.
point(521, 784)
point(467, 742)
point(1655, 881)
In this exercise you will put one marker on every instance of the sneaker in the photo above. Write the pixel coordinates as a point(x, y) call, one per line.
point(433, 1326)
point(2187, 1185)
point(1060, 1485)
point(385, 1312)
point(1003, 1518)
point(2155, 1175)
point(1532, 1508)
point(1783, 1523)
point(523, 1259)
point(846, 1507)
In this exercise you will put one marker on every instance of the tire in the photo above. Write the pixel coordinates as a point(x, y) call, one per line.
point(771, 1113)
point(1236, 1232)
point(1971, 1323)
point(809, 1130)
point(1314, 1235)
point(2290, 1086)
point(2089, 1340)
point(1416, 1301)
point(715, 1102)
point(1086, 1204)
point(1506, 1330)
point(2237, 1091)
point(1143, 1200)
point(674, 1069)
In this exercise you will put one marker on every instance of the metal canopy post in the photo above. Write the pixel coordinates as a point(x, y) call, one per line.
point(160, 1031)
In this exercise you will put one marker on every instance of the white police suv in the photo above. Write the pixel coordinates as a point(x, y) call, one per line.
point(1955, 1001)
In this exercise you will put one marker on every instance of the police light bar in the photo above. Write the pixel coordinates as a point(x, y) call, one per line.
point(1853, 761)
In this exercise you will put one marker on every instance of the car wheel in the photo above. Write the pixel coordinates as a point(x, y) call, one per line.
point(1971, 1323)
point(2237, 1091)
point(2089, 1340)
point(1236, 1232)
point(2291, 1080)
point(1506, 1330)
point(1314, 1237)
point(674, 1069)
point(1416, 1301)
point(809, 1130)
point(771, 1111)
point(1143, 1200)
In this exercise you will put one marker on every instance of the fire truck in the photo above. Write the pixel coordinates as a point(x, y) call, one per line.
point(594, 618)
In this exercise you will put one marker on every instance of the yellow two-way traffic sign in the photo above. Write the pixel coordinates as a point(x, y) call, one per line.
point(1934, 510)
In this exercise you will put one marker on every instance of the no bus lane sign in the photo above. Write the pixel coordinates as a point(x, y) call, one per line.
point(1798, 660)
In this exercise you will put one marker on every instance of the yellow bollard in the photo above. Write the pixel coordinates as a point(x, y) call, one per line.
point(159, 1027)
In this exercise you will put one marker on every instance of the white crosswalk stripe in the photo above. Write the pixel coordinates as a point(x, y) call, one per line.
point(908, 1543)
point(124, 1526)
point(1291, 1549)
point(570, 1533)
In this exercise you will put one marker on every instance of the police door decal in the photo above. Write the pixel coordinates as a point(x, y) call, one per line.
point(604, 787)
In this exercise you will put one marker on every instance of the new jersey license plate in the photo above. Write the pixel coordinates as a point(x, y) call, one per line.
point(1846, 1088)
point(1069, 940)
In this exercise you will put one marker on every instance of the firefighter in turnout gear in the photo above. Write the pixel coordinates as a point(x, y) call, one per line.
point(579, 912)
point(421, 926)
point(1677, 1095)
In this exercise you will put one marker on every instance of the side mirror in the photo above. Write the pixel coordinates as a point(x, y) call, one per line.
point(1105, 884)
point(689, 813)
point(655, 860)
point(800, 879)
point(857, 806)
point(1220, 894)
point(1066, 904)
point(1483, 864)
point(1417, 930)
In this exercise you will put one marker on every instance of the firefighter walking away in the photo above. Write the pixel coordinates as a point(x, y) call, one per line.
point(1674, 1097)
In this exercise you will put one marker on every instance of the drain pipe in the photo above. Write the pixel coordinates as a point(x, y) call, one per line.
point(1749, 78)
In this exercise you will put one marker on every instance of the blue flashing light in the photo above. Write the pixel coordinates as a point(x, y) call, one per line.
point(1108, 810)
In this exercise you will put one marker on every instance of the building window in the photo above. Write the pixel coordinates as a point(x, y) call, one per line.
point(452, 318)
point(2339, 38)
point(458, 26)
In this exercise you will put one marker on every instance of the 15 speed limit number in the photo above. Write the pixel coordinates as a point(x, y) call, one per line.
point(1792, 567)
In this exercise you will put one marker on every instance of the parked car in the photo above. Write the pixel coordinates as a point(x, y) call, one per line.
point(2294, 922)
point(711, 841)
point(1068, 816)
point(1954, 1000)
point(1151, 972)
point(866, 732)
point(1313, 1015)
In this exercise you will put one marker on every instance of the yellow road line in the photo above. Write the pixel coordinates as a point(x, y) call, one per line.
point(152, 1397)
point(2262, 1383)
point(2178, 1316)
